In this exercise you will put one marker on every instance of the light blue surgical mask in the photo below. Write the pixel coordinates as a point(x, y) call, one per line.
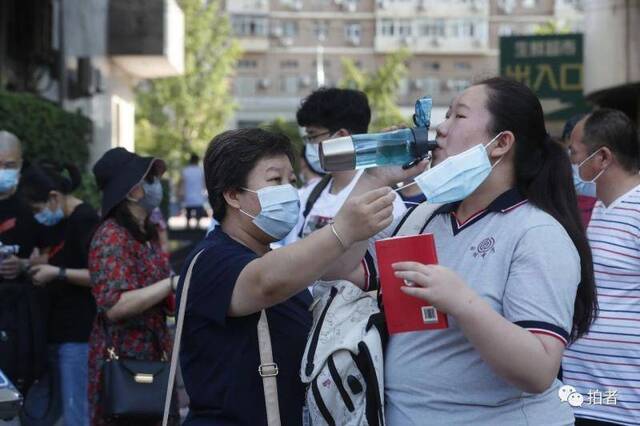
point(152, 195)
point(47, 217)
point(585, 187)
point(458, 176)
point(279, 210)
point(312, 154)
point(8, 179)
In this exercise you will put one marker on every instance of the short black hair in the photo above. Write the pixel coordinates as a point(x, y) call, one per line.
point(615, 130)
point(194, 159)
point(336, 109)
point(232, 155)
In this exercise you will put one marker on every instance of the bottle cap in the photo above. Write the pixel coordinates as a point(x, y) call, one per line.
point(338, 154)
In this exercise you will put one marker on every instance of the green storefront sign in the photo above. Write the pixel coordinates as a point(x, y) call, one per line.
point(551, 65)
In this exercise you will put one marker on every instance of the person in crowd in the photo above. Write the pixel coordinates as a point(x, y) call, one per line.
point(308, 176)
point(191, 190)
point(71, 310)
point(17, 224)
point(249, 176)
point(586, 190)
point(130, 273)
point(604, 365)
point(326, 114)
point(515, 271)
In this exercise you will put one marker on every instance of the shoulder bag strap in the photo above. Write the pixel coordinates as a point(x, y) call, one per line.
point(313, 197)
point(176, 341)
point(268, 370)
point(415, 219)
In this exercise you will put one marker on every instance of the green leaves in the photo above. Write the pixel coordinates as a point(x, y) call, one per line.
point(179, 115)
point(380, 86)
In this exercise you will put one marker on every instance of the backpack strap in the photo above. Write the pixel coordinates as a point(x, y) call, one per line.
point(176, 340)
point(414, 220)
point(268, 370)
point(313, 197)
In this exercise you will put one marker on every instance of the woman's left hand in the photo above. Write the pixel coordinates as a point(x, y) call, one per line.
point(441, 286)
point(42, 274)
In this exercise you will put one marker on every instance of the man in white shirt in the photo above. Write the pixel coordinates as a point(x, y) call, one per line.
point(326, 114)
point(191, 190)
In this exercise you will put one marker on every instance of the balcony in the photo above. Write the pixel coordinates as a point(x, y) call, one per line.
point(146, 37)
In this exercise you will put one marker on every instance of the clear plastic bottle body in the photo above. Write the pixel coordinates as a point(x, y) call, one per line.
point(383, 149)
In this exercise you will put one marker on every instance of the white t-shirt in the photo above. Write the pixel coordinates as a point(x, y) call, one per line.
point(326, 207)
point(193, 186)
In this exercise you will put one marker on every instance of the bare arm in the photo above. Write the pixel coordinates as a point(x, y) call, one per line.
point(281, 273)
point(134, 302)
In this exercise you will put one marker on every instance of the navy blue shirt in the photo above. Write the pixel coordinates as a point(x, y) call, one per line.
point(219, 356)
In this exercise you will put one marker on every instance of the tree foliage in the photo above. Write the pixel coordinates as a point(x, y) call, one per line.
point(179, 115)
point(381, 87)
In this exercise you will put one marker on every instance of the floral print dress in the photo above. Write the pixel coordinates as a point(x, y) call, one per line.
point(119, 263)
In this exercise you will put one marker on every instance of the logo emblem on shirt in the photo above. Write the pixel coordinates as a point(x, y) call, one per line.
point(486, 246)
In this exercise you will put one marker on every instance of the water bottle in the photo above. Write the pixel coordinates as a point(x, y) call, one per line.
point(402, 146)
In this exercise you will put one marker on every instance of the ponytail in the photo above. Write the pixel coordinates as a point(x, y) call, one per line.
point(543, 175)
point(38, 180)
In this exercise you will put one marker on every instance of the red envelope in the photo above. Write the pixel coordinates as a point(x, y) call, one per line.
point(402, 312)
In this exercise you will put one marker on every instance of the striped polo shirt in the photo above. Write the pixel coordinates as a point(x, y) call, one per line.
point(606, 361)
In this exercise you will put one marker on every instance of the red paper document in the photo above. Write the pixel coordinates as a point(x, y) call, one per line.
point(402, 312)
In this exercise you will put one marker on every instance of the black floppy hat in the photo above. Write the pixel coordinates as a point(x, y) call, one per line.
point(118, 171)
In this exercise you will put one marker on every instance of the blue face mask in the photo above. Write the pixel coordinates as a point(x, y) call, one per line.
point(8, 179)
point(47, 217)
point(312, 154)
point(152, 195)
point(458, 176)
point(586, 188)
point(280, 208)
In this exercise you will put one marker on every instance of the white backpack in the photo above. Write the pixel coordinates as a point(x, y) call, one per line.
point(343, 365)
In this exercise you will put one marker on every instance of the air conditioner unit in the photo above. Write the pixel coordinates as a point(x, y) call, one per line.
point(474, 6)
point(477, 42)
point(297, 5)
point(422, 5)
point(435, 42)
point(276, 31)
point(349, 6)
point(354, 40)
point(417, 84)
point(382, 4)
point(286, 41)
point(305, 81)
point(264, 83)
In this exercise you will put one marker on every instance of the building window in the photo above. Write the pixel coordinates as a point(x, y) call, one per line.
point(462, 66)
point(404, 28)
point(326, 63)
point(428, 86)
point(289, 28)
point(244, 86)
point(505, 30)
point(432, 28)
point(247, 64)
point(387, 28)
point(458, 85)
point(321, 30)
point(289, 64)
point(432, 66)
point(352, 31)
point(249, 26)
point(289, 84)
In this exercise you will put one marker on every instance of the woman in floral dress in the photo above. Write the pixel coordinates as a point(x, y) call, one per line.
point(129, 271)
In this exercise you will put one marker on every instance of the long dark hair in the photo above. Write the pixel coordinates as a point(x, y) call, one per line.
point(123, 217)
point(543, 175)
point(39, 179)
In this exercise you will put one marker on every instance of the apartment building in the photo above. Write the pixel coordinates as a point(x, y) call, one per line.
point(293, 46)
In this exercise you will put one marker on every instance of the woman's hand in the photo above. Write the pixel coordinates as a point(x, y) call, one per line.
point(363, 216)
point(43, 274)
point(441, 286)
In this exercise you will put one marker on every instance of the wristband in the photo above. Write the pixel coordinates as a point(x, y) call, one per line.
point(62, 273)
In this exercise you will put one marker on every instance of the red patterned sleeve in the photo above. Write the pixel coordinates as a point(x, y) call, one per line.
point(111, 265)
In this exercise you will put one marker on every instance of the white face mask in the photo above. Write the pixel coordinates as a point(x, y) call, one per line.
point(458, 176)
point(280, 208)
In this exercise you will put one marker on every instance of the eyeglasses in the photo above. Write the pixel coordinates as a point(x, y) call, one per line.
point(313, 138)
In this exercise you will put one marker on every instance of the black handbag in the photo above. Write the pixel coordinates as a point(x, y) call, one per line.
point(133, 388)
